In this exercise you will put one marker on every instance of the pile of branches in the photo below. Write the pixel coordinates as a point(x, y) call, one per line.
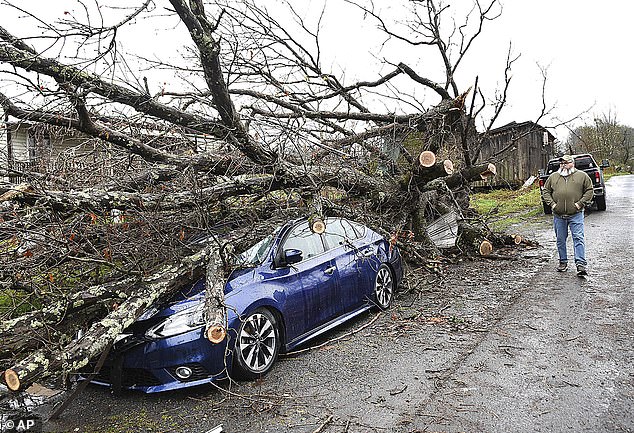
point(262, 135)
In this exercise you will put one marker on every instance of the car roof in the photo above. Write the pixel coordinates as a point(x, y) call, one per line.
point(578, 155)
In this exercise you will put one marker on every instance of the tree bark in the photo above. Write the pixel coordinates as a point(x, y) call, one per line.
point(78, 353)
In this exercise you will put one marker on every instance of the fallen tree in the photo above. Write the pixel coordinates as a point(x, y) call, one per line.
point(262, 134)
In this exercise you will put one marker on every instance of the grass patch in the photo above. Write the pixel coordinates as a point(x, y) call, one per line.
point(14, 303)
point(503, 202)
point(504, 207)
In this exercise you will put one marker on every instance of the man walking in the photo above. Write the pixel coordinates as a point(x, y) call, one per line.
point(567, 191)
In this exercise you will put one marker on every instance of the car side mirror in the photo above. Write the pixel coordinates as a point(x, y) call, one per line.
point(604, 164)
point(292, 256)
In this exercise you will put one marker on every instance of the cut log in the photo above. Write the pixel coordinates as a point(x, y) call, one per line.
point(16, 191)
point(486, 248)
point(471, 174)
point(318, 226)
point(427, 158)
point(489, 172)
point(437, 170)
point(215, 308)
point(448, 164)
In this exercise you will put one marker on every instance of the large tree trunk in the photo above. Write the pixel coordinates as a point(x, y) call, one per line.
point(101, 334)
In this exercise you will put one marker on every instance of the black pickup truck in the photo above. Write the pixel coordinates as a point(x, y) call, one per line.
point(584, 162)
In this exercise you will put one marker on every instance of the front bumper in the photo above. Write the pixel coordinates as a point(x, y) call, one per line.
point(137, 363)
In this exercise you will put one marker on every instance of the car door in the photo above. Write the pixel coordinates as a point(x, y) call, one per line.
point(318, 296)
point(352, 257)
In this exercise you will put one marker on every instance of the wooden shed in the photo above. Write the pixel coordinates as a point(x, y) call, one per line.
point(519, 150)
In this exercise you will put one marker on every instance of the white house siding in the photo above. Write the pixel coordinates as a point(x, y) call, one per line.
point(3, 152)
point(18, 144)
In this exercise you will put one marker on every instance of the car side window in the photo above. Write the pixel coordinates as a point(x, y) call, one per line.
point(303, 239)
point(340, 232)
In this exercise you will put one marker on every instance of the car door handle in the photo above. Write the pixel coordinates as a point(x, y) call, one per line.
point(330, 270)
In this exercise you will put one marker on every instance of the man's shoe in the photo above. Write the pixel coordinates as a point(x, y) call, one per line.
point(563, 266)
point(581, 271)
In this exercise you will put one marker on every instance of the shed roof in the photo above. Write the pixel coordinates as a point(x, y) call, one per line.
point(522, 125)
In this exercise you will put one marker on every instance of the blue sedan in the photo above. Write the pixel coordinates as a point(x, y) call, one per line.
point(292, 286)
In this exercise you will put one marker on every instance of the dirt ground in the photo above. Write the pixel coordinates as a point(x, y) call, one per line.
point(476, 346)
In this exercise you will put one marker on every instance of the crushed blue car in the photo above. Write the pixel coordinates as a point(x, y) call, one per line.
point(290, 287)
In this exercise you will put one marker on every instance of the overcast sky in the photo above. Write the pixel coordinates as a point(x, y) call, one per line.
point(587, 48)
point(584, 44)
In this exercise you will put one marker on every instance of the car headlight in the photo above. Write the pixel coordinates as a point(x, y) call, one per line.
point(184, 321)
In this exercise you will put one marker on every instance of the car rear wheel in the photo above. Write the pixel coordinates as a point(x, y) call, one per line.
point(257, 345)
point(600, 202)
point(384, 286)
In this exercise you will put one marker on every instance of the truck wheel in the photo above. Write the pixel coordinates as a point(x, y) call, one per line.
point(600, 202)
point(547, 209)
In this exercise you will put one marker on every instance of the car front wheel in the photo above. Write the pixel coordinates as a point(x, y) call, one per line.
point(384, 287)
point(257, 345)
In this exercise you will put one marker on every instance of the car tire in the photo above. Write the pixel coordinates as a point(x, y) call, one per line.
point(384, 287)
point(257, 345)
point(600, 200)
point(547, 209)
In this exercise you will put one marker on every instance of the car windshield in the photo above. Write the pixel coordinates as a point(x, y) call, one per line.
point(584, 162)
point(581, 163)
point(257, 253)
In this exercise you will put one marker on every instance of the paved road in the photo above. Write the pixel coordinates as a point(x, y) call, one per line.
point(486, 346)
point(562, 358)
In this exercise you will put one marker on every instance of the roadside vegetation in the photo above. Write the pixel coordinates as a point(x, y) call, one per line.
point(502, 208)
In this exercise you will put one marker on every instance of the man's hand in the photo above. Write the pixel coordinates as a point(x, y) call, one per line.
point(578, 206)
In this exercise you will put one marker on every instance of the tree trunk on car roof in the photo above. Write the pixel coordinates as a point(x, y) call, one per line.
point(215, 308)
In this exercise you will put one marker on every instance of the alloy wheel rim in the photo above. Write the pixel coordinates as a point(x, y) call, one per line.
point(257, 342)
point(383, 287)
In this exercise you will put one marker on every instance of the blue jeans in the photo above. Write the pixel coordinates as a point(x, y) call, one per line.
point(575, 223)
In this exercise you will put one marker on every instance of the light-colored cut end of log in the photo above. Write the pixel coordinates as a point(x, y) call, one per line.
point(318, 226)
point(489, 172)
point(486, 248)
point(517, 239)
point(427, 158)
point(448, 165)
point(216, 334)
point(23, 188)
point(12, 380)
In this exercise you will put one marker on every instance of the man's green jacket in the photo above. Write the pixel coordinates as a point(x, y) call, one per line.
point(567, 195)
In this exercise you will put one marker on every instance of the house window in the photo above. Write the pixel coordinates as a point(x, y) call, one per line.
point(37, 144)
point(31, 146)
